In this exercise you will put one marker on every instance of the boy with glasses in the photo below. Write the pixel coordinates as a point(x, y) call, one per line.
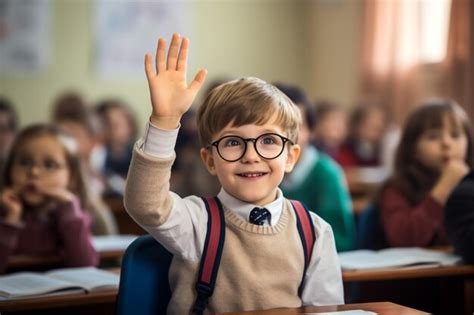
point(248, 131)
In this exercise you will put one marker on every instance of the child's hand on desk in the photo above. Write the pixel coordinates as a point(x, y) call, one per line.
point(12, 204)
point(170, 95)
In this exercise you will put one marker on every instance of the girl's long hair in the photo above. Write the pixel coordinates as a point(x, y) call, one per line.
point(77, 183)
point(410, 177)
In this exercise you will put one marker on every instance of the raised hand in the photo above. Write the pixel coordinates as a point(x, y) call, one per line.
point(170, 94)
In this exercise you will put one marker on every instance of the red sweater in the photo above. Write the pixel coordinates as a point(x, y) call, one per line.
point(347, 156)
point(65, 233)
point(407, 225)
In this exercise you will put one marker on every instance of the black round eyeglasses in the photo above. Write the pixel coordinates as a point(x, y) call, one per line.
point(232, 148)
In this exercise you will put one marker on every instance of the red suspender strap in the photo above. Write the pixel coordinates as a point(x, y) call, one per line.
point(306, 230)
point(211, 255)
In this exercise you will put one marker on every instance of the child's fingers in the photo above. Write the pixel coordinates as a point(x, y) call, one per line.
point(160, 55)
point(198, 80)
point(173, 52)
point(10, 200)
point(148, 66)
point(59, 194)
point(47, 191)
point(183, 55)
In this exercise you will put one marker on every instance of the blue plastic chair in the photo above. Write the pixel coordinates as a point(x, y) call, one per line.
point(370, 233)
point(144, 287)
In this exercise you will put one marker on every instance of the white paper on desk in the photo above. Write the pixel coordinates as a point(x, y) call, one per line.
point(90, 278)
point(351, 312)
point(24, 284)
point(105, 243)
point(57, 281)
point(395, 257)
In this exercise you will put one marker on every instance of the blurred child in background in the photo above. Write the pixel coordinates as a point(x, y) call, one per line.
point(367, 125)
point(119, 134)
point(72, 115)
point(8, 128)
point(330, 129)
point(362, 154)
point(317, 180)
point(434, 154)
point(42, 200)
point(189, 176)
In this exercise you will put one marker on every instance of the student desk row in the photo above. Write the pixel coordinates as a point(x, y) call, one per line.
point(104, 302)
point(20, 262)
point(441, 290)
point(110, 248)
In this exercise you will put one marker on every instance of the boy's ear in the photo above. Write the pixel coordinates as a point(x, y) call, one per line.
point(208, 160)
point(293, 155)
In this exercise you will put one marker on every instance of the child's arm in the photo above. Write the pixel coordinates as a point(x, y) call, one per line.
point(178, 224)
point(11, 205)
point(73, 226)
point(10, 225)
point(451, 175)
point(74, 231)
point(323, 280)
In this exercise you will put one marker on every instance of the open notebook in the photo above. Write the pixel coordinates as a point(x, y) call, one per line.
point(58, 281)
point(395, 257)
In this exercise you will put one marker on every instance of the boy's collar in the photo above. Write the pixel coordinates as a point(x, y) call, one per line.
point(242, 209)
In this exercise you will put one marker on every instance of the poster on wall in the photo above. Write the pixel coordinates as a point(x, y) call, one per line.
point(126, 29)
point(24, 36)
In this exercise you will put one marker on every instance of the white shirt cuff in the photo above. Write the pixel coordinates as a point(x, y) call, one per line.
point(159, 142)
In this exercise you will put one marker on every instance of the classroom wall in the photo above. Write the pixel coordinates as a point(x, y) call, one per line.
point(309, 43)
point(335, 33)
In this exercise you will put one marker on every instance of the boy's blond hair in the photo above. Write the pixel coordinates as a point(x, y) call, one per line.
point(246, 101)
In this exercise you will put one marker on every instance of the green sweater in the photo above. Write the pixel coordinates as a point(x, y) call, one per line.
point(319, 182)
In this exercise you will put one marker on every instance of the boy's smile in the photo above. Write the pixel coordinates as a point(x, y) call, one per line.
point(252, 178)
point(252, 175)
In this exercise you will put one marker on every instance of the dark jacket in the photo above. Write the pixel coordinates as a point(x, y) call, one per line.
point(459, 218)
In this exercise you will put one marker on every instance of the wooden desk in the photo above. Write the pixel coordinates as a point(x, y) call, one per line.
point(92, 303)
point(443, 290)
point(407, 273)
point(104, 303)
point(39, 263)
point(382, 308)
